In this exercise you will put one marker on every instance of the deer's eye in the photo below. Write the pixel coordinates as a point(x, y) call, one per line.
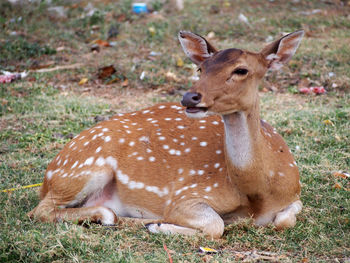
point(240, 71)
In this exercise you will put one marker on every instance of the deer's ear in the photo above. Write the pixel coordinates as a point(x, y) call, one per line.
point(282, 50)
point(196, 47)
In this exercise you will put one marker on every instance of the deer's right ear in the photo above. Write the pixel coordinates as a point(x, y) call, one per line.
point(196, 47)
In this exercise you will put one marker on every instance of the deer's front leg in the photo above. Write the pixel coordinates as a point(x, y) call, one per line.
point(189, 217)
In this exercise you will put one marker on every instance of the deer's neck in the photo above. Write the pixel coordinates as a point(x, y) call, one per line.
point(242, 138)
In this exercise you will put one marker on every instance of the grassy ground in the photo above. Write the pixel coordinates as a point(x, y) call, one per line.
point(43, 112)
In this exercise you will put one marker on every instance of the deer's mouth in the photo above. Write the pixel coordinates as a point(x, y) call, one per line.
point(194, 110)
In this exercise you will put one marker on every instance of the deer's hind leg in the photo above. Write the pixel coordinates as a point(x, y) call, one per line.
point(188, 218)
point(86, 202)
point(48, 211)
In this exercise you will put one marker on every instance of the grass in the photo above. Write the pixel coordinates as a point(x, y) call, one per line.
point(43, 112)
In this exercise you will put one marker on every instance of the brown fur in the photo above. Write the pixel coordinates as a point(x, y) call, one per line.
point(178, 170)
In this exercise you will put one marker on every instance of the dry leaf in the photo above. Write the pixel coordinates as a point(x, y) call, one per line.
point(106, 72)
point(341, 174)
point(179, 62)
point(171, 76)
point(337, 186)
point(152, 31)
point(83, 81)
point(125, 83)
point(101, 43)
point(328, 122)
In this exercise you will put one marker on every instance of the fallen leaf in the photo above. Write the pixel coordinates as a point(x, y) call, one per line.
point(171, 76)
point(101, 43)
point(125, 83)
point(337, 186)
point(179, 62)
point(116, 79)
point(207, 250)
point(106, 72)
point(328, 122)
point(341, 174)
point(152, 31)
point(83, 81)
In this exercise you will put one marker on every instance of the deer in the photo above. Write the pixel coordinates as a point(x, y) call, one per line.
point(184, 169)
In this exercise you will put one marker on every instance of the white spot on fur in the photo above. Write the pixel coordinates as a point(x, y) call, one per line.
point(49, 174)
point(86, 143)
point(207, 189)
point(98, 149)
point(216, 185)
point(217, 165)
point(218, 151)
point(74, 165)
point(121, 140)
point(203, 144)
point(215, 123)
point(123, 178)
point(131, 143)
point(89, 161)
point(187, 150)
point(200, 172)
point(144, 139)
point(152, 159)
point(166, 147)
point(192, 172)
point(180, 127)
point(107, 139)
point(280, 174)
point(135, 185)
point(194, 138)
point(156, 190)
point(100, 161)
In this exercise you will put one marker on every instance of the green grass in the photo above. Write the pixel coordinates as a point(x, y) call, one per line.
point(37, 117)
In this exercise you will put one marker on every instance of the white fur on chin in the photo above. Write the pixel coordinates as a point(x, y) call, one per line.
point(197, 115)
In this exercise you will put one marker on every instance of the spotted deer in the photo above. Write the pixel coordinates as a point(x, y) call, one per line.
point(175, 174)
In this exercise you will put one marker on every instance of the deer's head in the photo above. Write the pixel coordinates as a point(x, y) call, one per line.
point(229, 78)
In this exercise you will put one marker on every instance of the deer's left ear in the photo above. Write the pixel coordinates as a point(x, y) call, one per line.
point(197, 48)
point(282, 50)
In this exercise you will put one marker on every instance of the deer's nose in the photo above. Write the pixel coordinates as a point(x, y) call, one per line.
point(191, 99)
